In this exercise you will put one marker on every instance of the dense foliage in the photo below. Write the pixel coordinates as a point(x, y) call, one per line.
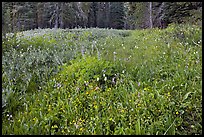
point(103, 81)
point(18, 16)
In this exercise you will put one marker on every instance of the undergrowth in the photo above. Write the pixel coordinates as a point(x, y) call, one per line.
point(101, 81)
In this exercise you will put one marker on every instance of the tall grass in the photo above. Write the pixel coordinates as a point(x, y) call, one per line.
point(101, 81)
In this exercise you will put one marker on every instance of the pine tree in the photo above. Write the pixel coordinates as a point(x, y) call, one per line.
point(117, 15)
point(92, 15)
point(40, 13)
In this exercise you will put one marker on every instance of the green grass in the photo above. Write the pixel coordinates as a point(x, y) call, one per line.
point(101, 81)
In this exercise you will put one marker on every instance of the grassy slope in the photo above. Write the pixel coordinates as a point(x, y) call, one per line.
point(127, 82)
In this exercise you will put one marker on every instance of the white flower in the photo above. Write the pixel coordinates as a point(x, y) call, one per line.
point(105, 78)
point(97, 79)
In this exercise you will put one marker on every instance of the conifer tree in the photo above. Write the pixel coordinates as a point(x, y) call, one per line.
point(117, 15)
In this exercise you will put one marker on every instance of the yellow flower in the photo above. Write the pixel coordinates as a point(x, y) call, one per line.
point(177, 113)
point(19, 120)
point(81, 129)
point(169, 94)
point(109, 89)
point(146, 89)
point(55, 126)
point(34, 119)
point(87, 92)
point(96, 106)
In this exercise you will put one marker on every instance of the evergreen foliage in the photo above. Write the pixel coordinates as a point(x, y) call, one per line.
point(18, 16)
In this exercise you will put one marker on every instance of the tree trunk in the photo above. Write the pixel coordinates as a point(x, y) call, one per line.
point(61, 15)
point(150, 15)
point(57, 16)
point(107, 11)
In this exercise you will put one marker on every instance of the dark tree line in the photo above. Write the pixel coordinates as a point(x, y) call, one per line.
point(17, 16)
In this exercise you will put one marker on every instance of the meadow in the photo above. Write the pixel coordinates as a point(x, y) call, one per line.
point(103, 81)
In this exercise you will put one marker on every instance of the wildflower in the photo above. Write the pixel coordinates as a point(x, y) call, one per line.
point(55, 126)
point(109, 89)
point(87, 92)
point(169, 94)
point(138, 84)
point(146, 89)
point(96, 88)
point(86, 83)
point(81, 129)
point(97, 79)
point(96, 106)
point(177, 113)
point(113, 80)
point(77, 126)
point(105, 78)
point(34, 119)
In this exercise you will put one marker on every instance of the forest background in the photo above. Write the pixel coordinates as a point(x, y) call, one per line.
point(20, 16)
